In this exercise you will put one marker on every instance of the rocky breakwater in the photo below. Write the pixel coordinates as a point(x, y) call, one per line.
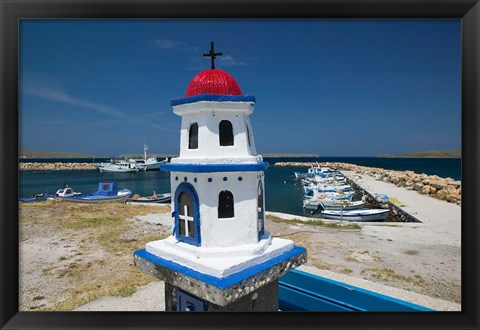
point(445, 189)
point(55, 166)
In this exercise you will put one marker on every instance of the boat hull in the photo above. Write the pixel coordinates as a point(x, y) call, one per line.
point(369, 215)
point(164, 198)
point(348, 206)
point(37, 198)
point(121, 197)
point(94, 199)
point(117, 170)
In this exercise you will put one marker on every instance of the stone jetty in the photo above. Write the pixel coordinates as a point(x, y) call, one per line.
point(55, 166)
point(445, 189)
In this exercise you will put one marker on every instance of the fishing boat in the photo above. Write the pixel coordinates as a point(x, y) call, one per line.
point(123, 166)
point(313, 199)
point(107, 192)
point(336, 205)
point(148, 164)
point(155, 198)
point(66, 191)
point(356, 215)
point(330, 188)
point(35, 198)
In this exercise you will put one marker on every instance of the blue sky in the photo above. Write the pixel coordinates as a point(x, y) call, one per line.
point(328, 87)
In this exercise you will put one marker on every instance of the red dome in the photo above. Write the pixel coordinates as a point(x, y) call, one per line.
point(213, 81)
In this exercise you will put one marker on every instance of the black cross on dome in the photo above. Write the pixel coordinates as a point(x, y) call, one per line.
point(212, 55)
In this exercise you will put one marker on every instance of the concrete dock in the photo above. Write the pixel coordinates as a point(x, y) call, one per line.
point(440, 221)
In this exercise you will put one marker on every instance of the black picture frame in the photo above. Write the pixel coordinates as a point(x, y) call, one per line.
point(12, 10)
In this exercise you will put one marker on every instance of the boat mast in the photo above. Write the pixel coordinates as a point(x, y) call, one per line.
point(145, 148)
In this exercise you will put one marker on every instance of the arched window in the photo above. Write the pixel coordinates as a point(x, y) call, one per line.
point(248, 136)
point(187, 217)
point(226, 133)
point(225, 205)
point(260, 210)
point(193, 136)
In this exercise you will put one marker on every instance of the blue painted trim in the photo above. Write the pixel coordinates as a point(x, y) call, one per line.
point(299, 290)
point(213, 98)
point(210, 168)
point(291, 299)
point(260, 186)
point(187, 187)
point(221, 283)
point(185, 298)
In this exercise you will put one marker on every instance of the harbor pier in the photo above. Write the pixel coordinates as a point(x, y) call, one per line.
point(399, 214)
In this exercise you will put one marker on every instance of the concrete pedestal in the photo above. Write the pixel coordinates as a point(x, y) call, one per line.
point(265, 299)
point(253, 289)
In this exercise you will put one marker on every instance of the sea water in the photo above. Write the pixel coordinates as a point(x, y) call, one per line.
point(282, 192)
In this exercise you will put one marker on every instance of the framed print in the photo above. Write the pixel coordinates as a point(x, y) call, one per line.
point(359, 95)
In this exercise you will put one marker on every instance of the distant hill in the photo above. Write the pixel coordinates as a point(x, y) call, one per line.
point(149, 154)
point(427, 154)
point(288, 155)
point(23, 153)
point(174, 155)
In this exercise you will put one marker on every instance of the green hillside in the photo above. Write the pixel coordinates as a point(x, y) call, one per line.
point(23, 153)
point(451, 153)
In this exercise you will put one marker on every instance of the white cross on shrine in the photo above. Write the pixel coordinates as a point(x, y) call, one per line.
point(186, 219)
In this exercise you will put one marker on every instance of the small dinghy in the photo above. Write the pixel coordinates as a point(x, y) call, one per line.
point(155, 198)
point(356, 215)
point(35, 198)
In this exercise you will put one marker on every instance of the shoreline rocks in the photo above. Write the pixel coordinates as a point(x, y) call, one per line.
point(445, 189)
point(56, 166)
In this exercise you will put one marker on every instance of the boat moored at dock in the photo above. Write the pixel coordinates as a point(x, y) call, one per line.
point(155, 198)
point(107, 192)
point(356, 215)
point(35, 198)
point(123, 166)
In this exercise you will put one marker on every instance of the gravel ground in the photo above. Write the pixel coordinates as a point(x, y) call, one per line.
point(67, 267)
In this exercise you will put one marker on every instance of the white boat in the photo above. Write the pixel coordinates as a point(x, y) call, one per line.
point(336, 205)
point(313, 198)
point(148, 164)
point(121, 166)
point(330, 188)
point(356, 215)
point(314, 194)
point(66, 191)
point(333, 180)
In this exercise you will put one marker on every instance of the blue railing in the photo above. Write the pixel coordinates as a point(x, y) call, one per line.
point(301, 291)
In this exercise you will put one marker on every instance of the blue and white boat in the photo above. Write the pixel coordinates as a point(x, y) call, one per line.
point(35, 198)
point(356, 215)
point(155, 198)
point(313, 198)
point(330, 188)
point(107, 192)
point(336, 205)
